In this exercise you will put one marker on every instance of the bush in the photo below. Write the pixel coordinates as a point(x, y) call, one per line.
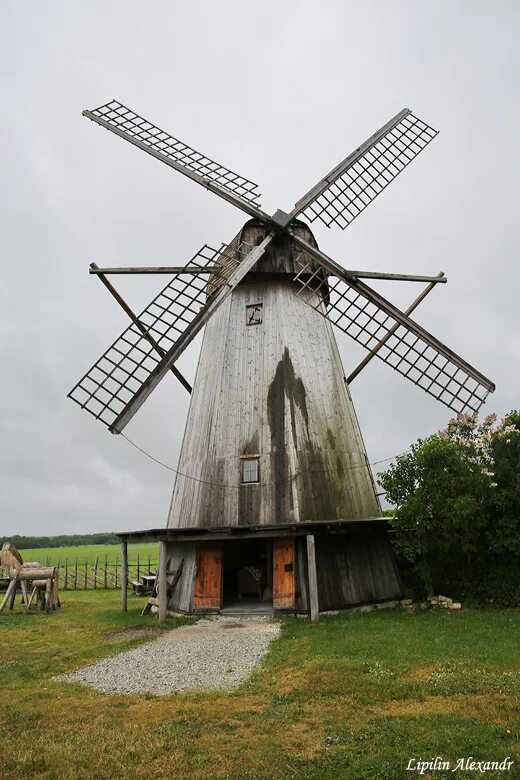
point(457, 518)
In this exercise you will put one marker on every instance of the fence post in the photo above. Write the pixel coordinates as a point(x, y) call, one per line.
point(138, 578)
point(106, 572)
point(117, 558)
point(95, 571)
point(66, 582)
point(76, 574)
point(124, 575)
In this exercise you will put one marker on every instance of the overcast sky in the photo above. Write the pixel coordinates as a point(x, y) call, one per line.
point(279, 91)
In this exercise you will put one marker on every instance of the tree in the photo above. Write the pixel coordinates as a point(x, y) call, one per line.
point(457, 497)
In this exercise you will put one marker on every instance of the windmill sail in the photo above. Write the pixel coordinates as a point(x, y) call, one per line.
point(124, 376)
point(111, 382)
point(124, 122)
point(367, 317)
point(353, 184)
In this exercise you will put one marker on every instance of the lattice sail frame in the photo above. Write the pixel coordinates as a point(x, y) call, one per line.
point(131, 126)
point(434, 368)
point(361, 179)
point(111, 382)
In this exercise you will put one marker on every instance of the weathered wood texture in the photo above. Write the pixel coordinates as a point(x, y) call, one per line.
point(284, 573)
point(182, 597)
point(275, 390)
point(356, 567)
point(207, 587)
point(163, 579)
point(312, 579)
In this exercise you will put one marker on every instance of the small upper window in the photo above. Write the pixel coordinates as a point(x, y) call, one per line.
point(250, 470)
point(254, 314)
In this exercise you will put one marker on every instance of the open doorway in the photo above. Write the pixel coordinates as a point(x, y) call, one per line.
point(248, 575)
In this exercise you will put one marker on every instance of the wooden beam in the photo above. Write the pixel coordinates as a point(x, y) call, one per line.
point(124, 576)
point(137, 322)
point(313, 579)
point(178, 269)
point(162, 585)
point(10, 590)
point(373, 352)
point(187, 336)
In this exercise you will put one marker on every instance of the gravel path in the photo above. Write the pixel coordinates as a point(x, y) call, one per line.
point(213, 654)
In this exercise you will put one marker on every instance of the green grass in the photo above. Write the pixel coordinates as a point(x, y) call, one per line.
point(353, 697)
point(89, 552)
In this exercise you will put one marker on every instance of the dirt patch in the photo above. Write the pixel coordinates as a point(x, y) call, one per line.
point(419, 672)
point(495, 707)
point(132, 633)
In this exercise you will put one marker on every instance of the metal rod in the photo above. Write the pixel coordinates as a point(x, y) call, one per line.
point(384, 339)
point(126, 308)
point(188, 269)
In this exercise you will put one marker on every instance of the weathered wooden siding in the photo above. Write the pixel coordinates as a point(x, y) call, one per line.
point(182, 597)
point(355, 568)
point(275, 390)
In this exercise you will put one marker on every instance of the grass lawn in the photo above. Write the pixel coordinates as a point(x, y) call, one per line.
point(89, 552)
point(353, 697)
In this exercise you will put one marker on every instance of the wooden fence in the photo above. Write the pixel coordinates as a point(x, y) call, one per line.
point(102, 574)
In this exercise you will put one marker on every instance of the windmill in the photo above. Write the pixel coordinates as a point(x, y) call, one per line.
point(274, 498)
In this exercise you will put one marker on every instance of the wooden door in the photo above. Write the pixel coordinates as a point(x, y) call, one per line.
point(283, 573)
point(207, 588)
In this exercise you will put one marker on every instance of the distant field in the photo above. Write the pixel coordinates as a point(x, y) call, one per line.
point(89, 553)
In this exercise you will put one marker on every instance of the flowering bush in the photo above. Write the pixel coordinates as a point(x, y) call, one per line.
point(457, 499)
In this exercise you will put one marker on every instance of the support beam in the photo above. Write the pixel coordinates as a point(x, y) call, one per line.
point(187, 336)
point(397, 277)
point(10, 590)
point(313, 579)
point(126, 308)
point(373, 352)
point(163, 586)
point(178, 269)
point(124, 576)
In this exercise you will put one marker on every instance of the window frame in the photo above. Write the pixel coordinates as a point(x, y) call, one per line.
point(243, 460)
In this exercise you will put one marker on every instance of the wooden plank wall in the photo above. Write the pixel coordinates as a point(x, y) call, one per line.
point(355, 568)
point(182, 597)
point(276, 390)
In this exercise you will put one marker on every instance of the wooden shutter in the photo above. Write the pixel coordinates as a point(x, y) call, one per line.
point(207, 589)
point(283, 573)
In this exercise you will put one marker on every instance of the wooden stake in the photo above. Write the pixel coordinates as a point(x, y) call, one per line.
point(124, 576)
point(11, 589)
point(163, 588)
point(313, 579)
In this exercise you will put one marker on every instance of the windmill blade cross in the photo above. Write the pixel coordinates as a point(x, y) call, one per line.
point(225, 183)
point(352, 185)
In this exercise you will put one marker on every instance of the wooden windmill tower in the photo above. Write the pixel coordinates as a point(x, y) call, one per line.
point(274, 499)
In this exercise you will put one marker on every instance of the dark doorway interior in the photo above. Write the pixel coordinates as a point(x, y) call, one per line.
point(248, 574)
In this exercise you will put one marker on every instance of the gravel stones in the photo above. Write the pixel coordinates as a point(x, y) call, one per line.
point(212, 654)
